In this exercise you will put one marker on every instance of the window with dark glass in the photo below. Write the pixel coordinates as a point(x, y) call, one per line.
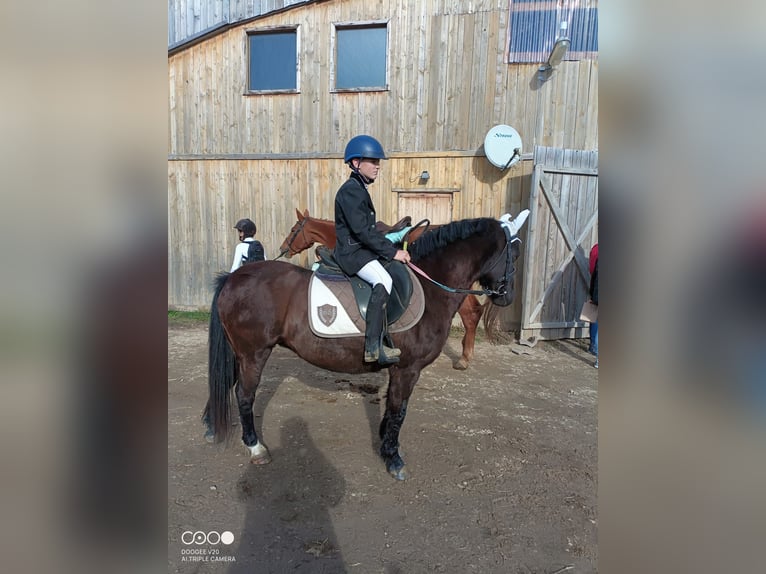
point(273, 59)
point(361, 53)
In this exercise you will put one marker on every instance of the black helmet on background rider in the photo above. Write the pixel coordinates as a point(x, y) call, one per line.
point(246, 226)
point(363, 147)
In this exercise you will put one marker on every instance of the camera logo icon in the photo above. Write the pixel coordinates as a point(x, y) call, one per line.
point(212, 538)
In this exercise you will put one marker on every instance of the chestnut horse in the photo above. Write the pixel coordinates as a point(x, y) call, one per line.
point(309, 230)
point(265, 304)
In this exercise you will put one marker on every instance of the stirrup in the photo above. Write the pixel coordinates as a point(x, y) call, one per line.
point(371, 356)
point(388, 355)
point(387, 343)
point(391, 351)
point(384, 360)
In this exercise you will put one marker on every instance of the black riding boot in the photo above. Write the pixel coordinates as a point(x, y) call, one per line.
point(374, 349)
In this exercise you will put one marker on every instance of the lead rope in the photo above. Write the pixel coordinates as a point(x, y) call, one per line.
point(281, 254)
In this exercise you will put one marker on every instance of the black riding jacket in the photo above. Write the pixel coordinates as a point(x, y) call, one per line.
point(357, 240)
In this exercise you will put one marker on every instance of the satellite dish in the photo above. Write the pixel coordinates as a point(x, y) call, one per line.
point(502, 146)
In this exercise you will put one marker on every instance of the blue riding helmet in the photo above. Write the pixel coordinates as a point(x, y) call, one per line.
point(363, 146)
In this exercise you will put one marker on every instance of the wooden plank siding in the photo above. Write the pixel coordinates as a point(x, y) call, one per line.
point(206, 198)
point(233, 155)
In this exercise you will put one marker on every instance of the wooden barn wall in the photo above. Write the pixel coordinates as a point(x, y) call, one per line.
point(206, 198)
point(448, 85)
point(234, 155)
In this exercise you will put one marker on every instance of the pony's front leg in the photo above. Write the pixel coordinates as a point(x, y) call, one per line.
point(470, 314)
point(250, 377)
point(400, 385)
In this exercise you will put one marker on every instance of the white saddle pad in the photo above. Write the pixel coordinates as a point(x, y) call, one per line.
point(333, 311)
point(327, 315)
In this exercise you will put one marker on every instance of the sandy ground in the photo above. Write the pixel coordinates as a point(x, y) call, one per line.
point(501, 461)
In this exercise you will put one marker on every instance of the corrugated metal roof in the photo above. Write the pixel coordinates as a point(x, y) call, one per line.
point(190, 21)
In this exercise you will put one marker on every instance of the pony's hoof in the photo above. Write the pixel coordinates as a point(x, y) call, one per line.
point(460, 365)
point(259, 454)
point(395, 468)
point(261, 460)
point(398, 474)
point(209, 436)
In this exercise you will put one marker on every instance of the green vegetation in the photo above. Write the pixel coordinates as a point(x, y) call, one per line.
point(188, 317)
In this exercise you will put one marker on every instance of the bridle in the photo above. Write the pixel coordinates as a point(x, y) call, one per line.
point(294, 236)
point(510, 268)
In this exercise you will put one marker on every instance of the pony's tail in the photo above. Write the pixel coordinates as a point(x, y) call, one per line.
point(490, 313)
point(222, 371)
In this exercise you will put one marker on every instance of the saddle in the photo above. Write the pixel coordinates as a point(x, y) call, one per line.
point(398, 226)
point(338, 303)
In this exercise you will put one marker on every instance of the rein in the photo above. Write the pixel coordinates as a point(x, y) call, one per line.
point(422, 273)
point(501, 291)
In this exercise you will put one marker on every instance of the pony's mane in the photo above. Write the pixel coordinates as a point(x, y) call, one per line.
point(442, 236)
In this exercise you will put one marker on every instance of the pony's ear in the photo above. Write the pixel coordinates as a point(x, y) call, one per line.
point(299, 214)
point(306, 213)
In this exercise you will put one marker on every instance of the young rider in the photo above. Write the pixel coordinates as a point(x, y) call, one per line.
point(360, 247)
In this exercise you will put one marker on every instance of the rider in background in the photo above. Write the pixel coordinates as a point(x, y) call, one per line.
point(246, 228)
point(360, 247)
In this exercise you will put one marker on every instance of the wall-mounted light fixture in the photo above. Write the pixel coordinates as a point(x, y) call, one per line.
point(425, 176)
point(557, 52)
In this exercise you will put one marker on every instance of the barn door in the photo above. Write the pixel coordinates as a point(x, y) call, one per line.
point(562, 228)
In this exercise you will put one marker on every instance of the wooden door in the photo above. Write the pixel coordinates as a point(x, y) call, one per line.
point(434, 206)
point(562, 228)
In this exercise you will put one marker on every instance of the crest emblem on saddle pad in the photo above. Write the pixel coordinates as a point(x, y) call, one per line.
point(327, 314)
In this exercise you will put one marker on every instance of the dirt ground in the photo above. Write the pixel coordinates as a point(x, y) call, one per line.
point(501, 460)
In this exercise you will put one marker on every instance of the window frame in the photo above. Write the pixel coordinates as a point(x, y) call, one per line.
point(334, 55)
point(272, 30)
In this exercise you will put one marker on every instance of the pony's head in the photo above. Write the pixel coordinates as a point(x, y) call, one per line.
point(499, 274)
point(296, 241)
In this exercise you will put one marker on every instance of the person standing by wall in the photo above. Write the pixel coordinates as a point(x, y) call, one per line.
point(249, 248)
point(360, 247)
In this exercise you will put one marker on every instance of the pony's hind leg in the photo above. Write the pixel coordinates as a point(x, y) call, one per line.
point(400, 387)
point(249, 379)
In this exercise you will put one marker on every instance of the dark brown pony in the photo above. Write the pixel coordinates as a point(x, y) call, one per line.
point(265, 304)
point(309, 230)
